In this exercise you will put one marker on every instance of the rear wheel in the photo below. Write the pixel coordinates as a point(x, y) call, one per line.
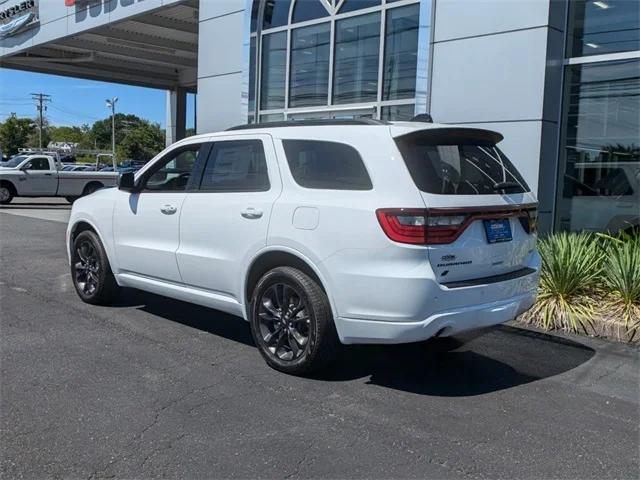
point(92, 187)
point(91, 272)
point(291, 322)
point(6, 194)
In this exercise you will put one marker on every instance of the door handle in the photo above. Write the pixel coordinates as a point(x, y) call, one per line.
point(168, 209)
point(251, 213)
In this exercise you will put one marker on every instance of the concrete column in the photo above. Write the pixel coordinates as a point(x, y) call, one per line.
point(176, 110)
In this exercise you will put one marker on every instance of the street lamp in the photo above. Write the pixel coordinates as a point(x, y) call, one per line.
point(111, 103)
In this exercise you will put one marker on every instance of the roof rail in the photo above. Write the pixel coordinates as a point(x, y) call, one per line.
point(309, 123)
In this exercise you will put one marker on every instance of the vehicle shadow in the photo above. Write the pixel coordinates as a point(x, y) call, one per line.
point(37, 206)
point(475, 363)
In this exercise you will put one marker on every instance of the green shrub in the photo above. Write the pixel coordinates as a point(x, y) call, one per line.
point(621, 278)
point(572, 265)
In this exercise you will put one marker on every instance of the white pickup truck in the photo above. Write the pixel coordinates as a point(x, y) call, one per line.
point(40, 175)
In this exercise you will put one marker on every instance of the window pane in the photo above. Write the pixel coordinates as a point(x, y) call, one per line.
point(305, 10)
point(272, 117)
point(274, 58)
point(276, 13)
point(601, 164)
point(236, 166)
point(398, 112)
point(173, 173)
point(327, 165)
point(351, 5)
point(252, 75)
point(357, 54)
point(604, 26)
point(309, 66)
point(254, 15)
point(401, 52)
point(458, 162)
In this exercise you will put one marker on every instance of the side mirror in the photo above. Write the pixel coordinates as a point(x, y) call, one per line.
point(26, 166)
point(127, 182)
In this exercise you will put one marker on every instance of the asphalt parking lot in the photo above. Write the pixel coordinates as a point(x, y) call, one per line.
point(159, 388)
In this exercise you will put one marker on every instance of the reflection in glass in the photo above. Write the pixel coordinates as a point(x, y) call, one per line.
point(601, 159)
point(398, 112)
point(351, 5)
point(604, 26)
point(276, 13)
point(309, 80)
point(304, 10)
point(356, 59)
point(401, 52)
point(272, 117)
point(274, 57)
point(255, 6)
point(252, 75)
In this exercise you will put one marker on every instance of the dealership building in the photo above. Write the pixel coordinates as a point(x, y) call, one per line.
point(559, 79)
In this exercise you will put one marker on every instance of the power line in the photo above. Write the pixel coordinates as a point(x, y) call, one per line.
point(41, 106)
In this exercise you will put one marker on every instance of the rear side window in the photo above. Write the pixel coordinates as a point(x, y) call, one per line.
point(326, 165)
point(236, 166)
point(459, 162)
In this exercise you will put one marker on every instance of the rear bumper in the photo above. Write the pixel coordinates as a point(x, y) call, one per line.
point(447, 323)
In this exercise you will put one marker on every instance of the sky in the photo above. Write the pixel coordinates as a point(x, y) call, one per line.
point(75, 101)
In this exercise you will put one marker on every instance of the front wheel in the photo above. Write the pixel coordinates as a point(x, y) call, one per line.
point(6, 195)
point(90, 270)
point(291, 322)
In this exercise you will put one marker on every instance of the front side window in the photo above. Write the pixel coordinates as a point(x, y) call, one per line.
point(236, 166)
point(459, 163)
point(172, 173)
point(326, 165)
point(39, 163)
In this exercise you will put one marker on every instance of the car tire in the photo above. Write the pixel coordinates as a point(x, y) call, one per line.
point(291, 322)
point(90, 270)
point(92, 187)
point(6, 194)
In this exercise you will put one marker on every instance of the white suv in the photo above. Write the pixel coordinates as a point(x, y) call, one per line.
point(318, 232)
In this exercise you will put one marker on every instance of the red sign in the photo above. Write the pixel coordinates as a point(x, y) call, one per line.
point(69, 3)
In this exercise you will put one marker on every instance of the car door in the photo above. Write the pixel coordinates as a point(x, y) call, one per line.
point(39, 177)
point(225, 222)
point(146, 222)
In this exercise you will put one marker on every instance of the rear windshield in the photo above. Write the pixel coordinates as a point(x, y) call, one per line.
point(459, 162)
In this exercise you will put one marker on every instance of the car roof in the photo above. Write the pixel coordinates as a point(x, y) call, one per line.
point(322, 129)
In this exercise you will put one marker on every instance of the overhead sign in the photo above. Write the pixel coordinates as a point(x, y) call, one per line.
point(15, 15)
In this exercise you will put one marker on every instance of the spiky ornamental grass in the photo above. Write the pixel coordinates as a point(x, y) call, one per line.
point(621, 278)
point(572, 265)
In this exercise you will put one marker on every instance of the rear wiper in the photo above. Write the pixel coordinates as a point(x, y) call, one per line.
point(506, 186)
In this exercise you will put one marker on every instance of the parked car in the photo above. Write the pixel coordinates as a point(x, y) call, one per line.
point(40, 175)
point(320, 233)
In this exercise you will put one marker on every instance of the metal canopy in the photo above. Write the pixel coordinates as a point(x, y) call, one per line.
point(156, 49)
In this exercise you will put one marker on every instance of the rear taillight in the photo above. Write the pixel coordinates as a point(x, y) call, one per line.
point(529, 221)
point(418, 227)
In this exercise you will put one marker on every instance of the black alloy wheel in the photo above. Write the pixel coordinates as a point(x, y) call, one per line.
point(90, 270)
point(291, 322)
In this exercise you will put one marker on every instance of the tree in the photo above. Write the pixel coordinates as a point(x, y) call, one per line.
point(141, 142)
point(101, 130)
point(80, 135)
point(14, 134)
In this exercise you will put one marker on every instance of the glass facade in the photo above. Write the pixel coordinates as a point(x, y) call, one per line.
point(599, 167)
point(334, 59)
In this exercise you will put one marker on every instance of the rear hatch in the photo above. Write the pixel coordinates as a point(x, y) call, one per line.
point(480, 219)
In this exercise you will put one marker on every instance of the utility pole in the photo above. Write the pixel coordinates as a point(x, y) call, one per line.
point(111, 103)
point(41, 106)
